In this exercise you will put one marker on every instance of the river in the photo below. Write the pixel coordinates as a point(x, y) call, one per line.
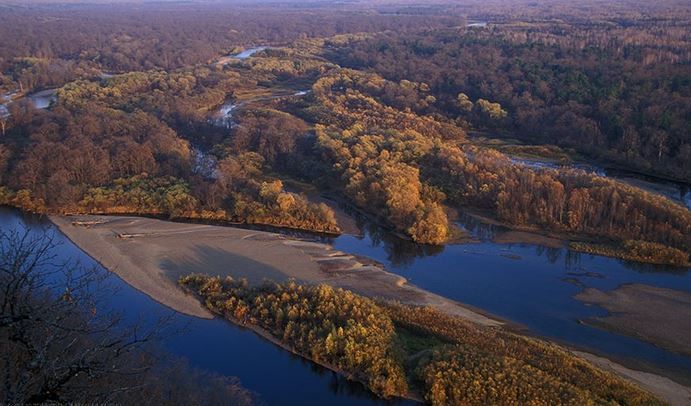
point(223, 117)
point(249, 52)
point(528, 284)
point(524, 283)
point(41, 100)
point(279, 377)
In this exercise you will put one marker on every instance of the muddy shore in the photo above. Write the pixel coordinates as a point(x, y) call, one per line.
point(659, 316)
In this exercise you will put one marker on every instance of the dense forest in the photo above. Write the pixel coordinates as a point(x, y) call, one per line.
point(405, 166)
point(399, 350)
point(215, 111)
point(73, 40)
point(384, 119)
point(619, 93)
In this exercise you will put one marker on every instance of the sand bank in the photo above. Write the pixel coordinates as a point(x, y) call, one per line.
point(665, 388)
point(151, 255)
point(656, 315)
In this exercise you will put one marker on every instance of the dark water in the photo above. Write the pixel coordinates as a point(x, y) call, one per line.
point(279, 377)
point(527, 284)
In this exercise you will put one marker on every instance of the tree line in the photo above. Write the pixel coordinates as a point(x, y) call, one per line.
point(403, 166)
point(398, 350)
point(616, 89)
point(131, 144)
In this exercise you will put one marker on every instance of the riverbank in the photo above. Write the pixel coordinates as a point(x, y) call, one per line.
point(550, 154)
point(265, 334)
point(643, 252)
point(152, 255)
point(338, 327)
point(665, 388)
point(638, 251)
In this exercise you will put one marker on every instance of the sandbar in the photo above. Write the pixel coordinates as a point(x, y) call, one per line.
point(151, 255)
point(657, 315)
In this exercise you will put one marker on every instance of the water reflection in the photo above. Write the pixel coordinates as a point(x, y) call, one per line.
point(279, 377)
point(400, 251)
point(529, 284)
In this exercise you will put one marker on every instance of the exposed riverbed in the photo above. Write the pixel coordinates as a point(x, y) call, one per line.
point(279, 377)
point(528, 284)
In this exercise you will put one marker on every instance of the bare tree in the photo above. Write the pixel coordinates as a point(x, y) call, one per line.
point(58, 343)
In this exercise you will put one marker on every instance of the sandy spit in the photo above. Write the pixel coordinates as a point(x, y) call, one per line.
point(656, 315)
point(151, 255)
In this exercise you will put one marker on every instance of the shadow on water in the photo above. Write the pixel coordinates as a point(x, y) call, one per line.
point(278, 376)
point(529, 284)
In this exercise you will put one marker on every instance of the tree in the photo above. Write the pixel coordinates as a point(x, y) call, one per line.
point(464, 103)
point(59, 344)
point(491, 110)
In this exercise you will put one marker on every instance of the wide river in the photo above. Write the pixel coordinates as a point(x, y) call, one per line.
point(527, 284)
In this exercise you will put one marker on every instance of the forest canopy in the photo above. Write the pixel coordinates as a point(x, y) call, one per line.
point(399, 350)
point(293, 115)
point(382, 109)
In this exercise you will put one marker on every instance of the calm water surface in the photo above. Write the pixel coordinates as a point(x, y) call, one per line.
point(248, 52)
point(279, 377)
point(527, 284)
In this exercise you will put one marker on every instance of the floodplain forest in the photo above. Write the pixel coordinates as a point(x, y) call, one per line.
point(158, 122)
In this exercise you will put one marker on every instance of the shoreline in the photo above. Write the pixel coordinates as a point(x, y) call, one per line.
point(142, 252)
point(661, 386)
point(533, 235)
point(266, 335)
point(511, 234)
point(342, 270)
